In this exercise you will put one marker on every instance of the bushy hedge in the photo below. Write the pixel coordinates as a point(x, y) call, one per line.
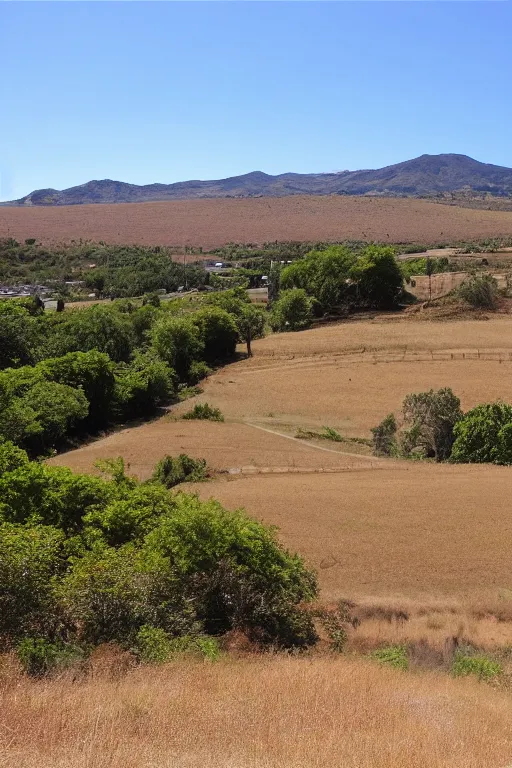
point(86, 560)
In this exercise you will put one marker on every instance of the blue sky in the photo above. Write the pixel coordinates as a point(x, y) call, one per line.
point(145, 92)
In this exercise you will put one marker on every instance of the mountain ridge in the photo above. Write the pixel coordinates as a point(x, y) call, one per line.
point(424, 176)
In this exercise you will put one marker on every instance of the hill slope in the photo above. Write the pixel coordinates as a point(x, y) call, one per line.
point(211, 223)
point(424, 176)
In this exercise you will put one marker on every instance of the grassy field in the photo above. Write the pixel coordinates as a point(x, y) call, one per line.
point(211, 223)
point(269, 712)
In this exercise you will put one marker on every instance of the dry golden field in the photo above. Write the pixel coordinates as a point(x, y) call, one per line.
point(210, 223)
point(272, 712)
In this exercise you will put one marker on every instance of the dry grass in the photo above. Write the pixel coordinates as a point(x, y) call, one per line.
point(403, 529)
point(212, 223)
point(271, 712)
point(226, 447)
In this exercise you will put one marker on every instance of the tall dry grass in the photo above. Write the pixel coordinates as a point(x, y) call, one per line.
point(266, 712)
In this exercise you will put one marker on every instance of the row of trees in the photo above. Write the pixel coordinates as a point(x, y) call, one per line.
point(86, 560)
point(432, 425)
point(73, 373)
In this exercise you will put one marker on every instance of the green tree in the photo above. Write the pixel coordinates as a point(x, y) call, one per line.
point(178, 342)
point(142, 385)
point(251, 325)
point(19, 335)
point(43, 415)
point(292, 311)
point(218, 332)
point(430, 419)
point(484, 435)
point(30, 558)
point(378, 277)
point(100, 327)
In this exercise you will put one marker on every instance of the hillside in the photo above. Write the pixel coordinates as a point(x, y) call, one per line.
point(212, 223)
point(428, 175)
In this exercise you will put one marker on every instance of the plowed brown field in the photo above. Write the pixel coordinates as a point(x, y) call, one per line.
point(211, 223)
point(371, 527)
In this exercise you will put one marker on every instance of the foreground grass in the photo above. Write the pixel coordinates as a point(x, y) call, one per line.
point(264, 712)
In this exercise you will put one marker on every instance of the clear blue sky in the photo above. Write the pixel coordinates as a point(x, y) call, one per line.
point(146, 92)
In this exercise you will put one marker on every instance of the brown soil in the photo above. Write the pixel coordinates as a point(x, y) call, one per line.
point(212, 223)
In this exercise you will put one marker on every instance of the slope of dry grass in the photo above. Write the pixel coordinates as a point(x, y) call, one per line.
point(211, 223)
point(416, 530)
point(270, 712)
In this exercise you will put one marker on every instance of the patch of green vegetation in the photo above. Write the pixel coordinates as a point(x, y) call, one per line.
point(482, 667)
point(174, 470)
point(204, 411)
point(392, 656)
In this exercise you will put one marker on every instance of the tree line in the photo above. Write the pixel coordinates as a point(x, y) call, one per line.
point(65, 375)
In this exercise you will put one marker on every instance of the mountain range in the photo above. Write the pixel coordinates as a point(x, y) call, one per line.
point(425, 176)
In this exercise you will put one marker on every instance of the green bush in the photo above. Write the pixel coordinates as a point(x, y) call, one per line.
point(292, 311)
point(30, 558)
point(20, 335)
point(152, 645)
point(384, 436)
point(484, 434)
point(39, 657)
point(204, 411)
point(142, 385)
point(481, 666)
point(42, 416)
point(171, 471)
point(480, 291)
point(86, 560)
point(178, 342)
point(392, 656)
point(198, 371)
point(218, 332)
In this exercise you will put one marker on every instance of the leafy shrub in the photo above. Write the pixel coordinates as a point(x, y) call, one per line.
point(204, 411)
point(481, 666)
point(198, 371)
point(152, 645)
point(384, 436)
point(484, 434)
point(171, 471)
point(292, 311)
point(480, 291)
point(39, 657)
point(332, 434)
point(393, 656)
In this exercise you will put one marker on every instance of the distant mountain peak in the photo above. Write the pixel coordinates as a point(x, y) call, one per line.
point(422, 176)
